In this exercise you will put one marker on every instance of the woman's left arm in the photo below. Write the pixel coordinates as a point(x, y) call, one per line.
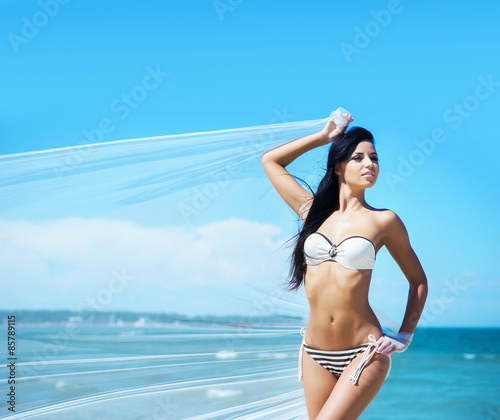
point(397, 241)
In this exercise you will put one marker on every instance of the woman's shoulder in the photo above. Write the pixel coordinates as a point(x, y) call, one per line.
point(386, 218)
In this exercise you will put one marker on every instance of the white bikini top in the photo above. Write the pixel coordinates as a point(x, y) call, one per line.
point(354, 252)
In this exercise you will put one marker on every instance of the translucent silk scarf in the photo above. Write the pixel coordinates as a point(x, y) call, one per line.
point(186, 224)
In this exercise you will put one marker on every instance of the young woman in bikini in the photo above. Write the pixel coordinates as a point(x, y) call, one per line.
point(334, 257)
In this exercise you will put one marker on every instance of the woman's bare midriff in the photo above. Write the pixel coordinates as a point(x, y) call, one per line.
point(340, 314)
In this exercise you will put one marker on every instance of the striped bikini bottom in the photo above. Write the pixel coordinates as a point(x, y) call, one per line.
point(335, 361)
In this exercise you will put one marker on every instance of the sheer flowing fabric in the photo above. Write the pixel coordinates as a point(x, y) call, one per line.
point(165, 224)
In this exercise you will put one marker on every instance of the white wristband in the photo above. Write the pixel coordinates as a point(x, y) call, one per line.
point(404, 337)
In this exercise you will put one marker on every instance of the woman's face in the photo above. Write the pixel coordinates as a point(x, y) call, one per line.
point(361, 169)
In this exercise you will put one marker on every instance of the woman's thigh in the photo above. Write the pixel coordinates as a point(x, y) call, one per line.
point(318, 385)
point(347, 400)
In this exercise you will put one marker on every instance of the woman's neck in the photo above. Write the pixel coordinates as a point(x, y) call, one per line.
point(350, 200)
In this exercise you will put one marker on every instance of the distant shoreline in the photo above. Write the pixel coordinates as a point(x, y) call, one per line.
point(143, 319)
point(62, 317)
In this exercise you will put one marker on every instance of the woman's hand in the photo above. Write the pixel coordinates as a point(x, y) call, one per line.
point(387, 345)
point(333, 130)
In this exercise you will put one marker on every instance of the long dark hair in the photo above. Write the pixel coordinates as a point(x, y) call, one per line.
point(326, 198)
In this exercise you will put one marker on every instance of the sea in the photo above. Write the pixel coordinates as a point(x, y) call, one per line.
point(192, 371)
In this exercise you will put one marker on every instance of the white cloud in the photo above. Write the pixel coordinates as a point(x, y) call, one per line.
point(60, 263)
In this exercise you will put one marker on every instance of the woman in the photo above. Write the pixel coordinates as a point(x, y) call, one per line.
point(344, 358)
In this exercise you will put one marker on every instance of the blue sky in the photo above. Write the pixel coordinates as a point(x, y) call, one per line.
point(424, 77)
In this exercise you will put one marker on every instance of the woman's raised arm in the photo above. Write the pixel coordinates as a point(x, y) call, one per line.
point(276, 159)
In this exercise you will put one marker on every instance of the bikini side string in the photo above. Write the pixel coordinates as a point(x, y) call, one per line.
point(367, 355)
point(301, 351)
